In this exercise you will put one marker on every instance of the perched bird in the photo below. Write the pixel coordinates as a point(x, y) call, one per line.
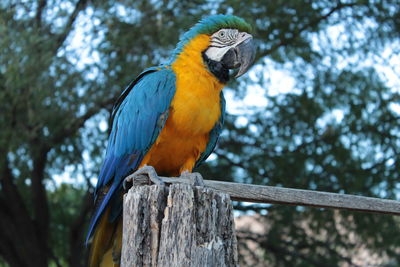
point(169, 118)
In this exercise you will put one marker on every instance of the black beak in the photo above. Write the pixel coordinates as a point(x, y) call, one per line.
point(240, 56)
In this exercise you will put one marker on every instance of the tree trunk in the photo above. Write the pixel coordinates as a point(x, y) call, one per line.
point(178, 225)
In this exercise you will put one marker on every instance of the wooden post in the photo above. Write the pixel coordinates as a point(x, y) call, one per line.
point(179, 225)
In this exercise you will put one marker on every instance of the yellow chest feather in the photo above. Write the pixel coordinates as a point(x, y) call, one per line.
point(194, 111)
point(196, 105)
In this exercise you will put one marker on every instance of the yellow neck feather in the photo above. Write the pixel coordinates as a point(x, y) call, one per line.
point(196, 105)
point(193, 113)
point(191, 59)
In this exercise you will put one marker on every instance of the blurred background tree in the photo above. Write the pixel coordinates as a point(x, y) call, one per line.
point(327, 118)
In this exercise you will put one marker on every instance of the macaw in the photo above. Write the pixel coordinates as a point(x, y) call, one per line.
point(169, 118)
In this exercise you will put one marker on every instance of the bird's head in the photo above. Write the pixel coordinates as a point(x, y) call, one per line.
point(223, 42)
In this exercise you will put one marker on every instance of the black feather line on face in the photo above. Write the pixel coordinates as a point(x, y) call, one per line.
point(216, 68)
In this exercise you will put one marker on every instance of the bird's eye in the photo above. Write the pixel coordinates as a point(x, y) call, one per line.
point(221, 34)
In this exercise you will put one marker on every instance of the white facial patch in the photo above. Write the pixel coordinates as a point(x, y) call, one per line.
point(223, 40)
point(215, 53)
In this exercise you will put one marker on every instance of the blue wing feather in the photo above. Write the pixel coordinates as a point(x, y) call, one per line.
point(134, 128)
point(214, 134)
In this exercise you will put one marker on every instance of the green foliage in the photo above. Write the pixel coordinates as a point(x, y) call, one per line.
point(63, 63)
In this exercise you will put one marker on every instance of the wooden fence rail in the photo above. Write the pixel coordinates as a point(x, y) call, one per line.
point(298, 197)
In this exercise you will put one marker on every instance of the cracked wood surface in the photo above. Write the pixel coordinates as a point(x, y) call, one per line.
point(179, 225)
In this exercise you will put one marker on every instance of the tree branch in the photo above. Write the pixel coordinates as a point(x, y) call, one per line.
point(27, 233)
point(76, 232)
point(14, 199)
point(39, 196)
point(80, 5)
point(9, 232)
point(41, 5)
point(7, 252)
point(78, 123)
point(296, 34)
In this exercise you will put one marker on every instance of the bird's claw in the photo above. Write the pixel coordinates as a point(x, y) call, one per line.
point(144, 175)
point(195, 178)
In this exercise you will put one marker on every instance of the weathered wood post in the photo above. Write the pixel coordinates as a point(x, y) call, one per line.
point(179, 225)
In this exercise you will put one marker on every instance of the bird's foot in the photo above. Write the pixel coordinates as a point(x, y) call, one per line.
point(195, 178)
point(144, 175)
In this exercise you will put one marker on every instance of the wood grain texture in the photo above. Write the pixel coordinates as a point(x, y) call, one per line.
point(179, 225)
point(143, 212)
point(298, 197)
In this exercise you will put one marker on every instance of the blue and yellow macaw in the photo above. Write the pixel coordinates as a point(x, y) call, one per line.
point(169, 118)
